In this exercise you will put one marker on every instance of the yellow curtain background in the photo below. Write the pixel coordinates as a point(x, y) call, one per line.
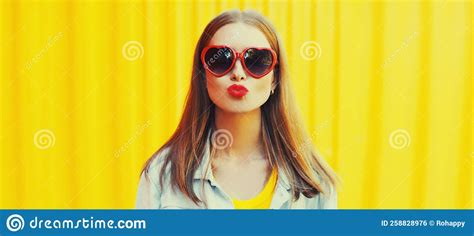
point(89, 90)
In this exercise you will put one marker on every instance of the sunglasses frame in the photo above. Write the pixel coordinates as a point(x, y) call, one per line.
point(240, 56)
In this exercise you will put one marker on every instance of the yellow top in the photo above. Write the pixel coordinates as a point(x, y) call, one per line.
point(263, 199)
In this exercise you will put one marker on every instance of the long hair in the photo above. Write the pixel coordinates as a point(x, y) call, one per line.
point(286, 143)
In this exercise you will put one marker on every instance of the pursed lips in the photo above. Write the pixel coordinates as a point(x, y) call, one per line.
point(236, 90)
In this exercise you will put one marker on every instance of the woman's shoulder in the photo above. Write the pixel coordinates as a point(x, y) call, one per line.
point(156, 161)
point(327, 199)
point(149, 187)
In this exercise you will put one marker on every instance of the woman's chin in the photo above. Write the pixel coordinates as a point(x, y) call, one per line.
point(237, 107)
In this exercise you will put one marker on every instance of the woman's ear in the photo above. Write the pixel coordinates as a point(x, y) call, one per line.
point(274, 84)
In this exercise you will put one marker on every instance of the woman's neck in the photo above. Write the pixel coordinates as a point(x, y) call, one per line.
point(245, 129)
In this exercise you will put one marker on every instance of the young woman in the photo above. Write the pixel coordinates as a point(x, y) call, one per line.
point(239, 144)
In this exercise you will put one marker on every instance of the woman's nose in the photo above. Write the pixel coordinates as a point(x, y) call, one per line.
point(238, 73)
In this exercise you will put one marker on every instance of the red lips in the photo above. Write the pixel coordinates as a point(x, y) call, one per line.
point(237, 90)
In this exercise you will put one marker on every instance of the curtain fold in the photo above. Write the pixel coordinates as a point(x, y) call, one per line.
point(89, 90)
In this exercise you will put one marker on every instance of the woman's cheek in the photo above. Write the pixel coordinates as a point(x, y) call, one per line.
point(263, 87)
point(213, 90)
point(216, 89)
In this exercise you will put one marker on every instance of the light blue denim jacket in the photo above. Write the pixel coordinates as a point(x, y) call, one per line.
point(151, 196)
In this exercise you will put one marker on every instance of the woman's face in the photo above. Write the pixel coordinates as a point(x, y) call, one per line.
point(239, 36)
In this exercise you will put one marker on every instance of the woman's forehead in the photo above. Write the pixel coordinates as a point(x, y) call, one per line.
point(239, 36)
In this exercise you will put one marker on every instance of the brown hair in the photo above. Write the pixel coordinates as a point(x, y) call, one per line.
point(287, 145)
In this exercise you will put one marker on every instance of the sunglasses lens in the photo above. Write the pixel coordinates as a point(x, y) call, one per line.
point(258, 61)
point(219, 60)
